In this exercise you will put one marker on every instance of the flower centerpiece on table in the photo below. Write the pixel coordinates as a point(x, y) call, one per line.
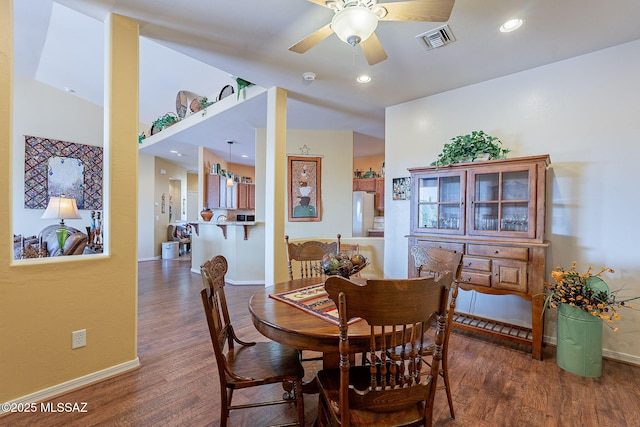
point(586, 291)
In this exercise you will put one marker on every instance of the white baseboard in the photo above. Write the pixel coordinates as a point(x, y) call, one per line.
point(235, 282)
point(56, 390)
point(245, 282)
point(608, 354)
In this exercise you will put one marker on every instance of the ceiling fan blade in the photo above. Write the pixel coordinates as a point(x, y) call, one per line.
point(319, 2)
point(373, 50)
point(310, 41)
point(418, 10)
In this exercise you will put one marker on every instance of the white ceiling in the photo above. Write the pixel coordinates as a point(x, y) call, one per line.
point(250, 38)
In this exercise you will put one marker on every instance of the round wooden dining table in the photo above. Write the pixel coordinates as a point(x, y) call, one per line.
point(297, 328)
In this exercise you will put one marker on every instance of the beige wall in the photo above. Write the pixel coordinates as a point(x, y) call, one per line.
point(336, 151)
point(43, 302)
point(192, 182)
point(583, 112)
point(209, 158)
point(364, 164)
point(335, 148)
point(146, 207)
point(243, 170)
point(162, 186)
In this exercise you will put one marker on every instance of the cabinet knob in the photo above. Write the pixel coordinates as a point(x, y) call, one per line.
point(496, 252)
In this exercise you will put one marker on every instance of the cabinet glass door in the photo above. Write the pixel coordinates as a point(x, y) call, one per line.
point(503, 202)
point(440, 203)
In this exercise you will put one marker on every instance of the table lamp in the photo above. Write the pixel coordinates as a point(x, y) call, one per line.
point(61, 208)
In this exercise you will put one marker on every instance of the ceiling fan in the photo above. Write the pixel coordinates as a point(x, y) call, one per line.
point(355, 21)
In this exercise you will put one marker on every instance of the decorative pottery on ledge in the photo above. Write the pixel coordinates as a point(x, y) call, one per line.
point(206, 214)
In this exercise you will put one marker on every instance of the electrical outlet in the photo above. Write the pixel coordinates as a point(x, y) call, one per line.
point(78, 338)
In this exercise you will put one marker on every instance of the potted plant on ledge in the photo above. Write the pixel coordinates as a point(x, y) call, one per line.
point(163, 122)
point(476, 146)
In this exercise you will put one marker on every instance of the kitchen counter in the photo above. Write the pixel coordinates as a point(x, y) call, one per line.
point(237, 241)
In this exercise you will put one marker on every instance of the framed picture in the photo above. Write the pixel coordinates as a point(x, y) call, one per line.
point(402, 188)
point(304, 191)
point(53, 167)
point(66, 176)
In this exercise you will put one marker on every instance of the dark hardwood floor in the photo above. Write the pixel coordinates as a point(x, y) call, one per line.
point(493, 383)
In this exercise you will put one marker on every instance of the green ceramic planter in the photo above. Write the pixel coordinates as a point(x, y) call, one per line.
point(579, 349)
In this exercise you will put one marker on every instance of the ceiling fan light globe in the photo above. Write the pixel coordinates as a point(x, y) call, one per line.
point(354, 40)
point(354, 24)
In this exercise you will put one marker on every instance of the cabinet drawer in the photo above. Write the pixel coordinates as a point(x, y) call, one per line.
point(458, 247)
point(499, 251)
point(475, 278)
point(510, 275)
point(473, 263)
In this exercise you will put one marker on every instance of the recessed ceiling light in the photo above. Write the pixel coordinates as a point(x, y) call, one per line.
point(174, 151)
point(511, 25)
point(244, 156)
point(363, 78)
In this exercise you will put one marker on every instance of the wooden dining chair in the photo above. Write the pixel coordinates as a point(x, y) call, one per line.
point(249, 364)
point(435, 261)
point(396, 387)
point(306, 257)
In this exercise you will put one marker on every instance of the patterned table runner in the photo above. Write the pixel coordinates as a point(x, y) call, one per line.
point(314, 300)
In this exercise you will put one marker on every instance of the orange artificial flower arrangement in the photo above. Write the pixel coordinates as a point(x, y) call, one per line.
point(586, 291)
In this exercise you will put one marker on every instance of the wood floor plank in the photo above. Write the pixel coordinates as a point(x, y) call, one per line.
point(493, 383)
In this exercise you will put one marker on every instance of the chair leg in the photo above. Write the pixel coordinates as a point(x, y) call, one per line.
point(226, 397)
point(447, 388)
point(297, 389)
point(289, 390)
point(322, 416)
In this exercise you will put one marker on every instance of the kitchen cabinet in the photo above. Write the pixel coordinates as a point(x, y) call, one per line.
point(246, 196)
point(380, 194)
point(493, 212)
point(365, 184)
point(219, 196)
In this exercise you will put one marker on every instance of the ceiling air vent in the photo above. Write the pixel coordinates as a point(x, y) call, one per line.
point(436, 38)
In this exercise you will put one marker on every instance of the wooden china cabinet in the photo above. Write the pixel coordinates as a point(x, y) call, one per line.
point(494, 212)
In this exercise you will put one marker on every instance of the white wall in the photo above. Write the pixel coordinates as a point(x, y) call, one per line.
point(584, 113)
point(40, 110)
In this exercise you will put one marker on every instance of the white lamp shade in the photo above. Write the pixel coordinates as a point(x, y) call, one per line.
point(354, 24)
point(229, 182)
point(61, 208)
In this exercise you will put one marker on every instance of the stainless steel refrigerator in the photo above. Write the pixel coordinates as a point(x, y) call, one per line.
point(363, 213)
